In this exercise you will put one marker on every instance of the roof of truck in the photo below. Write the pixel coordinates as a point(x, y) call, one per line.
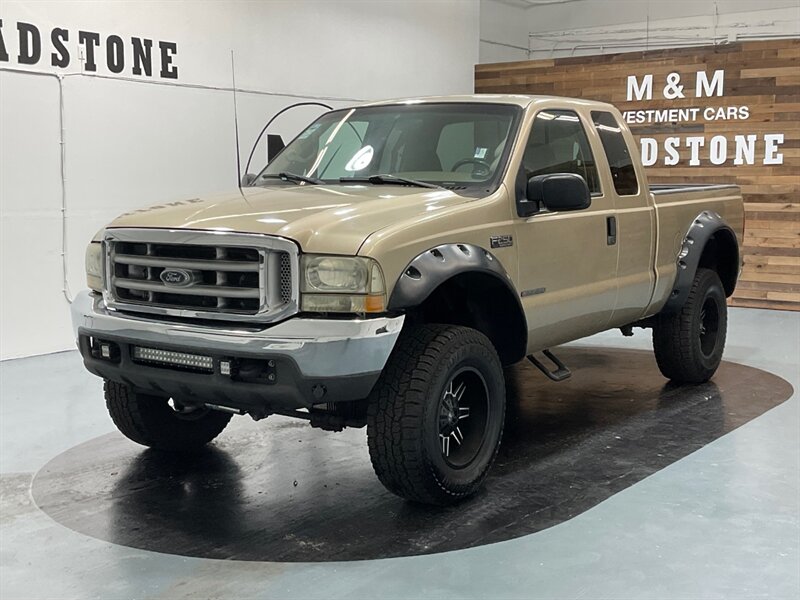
point(517, 99)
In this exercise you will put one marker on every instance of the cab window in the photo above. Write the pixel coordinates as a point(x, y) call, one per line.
point(558, 144)
point(623, 172)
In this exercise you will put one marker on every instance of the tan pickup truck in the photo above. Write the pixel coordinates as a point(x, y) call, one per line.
point(386, 265)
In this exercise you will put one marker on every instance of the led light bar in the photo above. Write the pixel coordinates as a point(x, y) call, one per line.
point(174, 359)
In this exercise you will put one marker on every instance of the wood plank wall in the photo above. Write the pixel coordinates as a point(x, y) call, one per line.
point(762, 75)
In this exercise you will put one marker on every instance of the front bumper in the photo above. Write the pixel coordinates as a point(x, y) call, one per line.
point(315, 360)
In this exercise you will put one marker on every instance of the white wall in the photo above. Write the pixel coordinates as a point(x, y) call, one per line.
point(131, 142)
point(513, 30)
point(504, 32)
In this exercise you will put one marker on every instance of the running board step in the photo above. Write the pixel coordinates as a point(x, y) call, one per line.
point(559, 374)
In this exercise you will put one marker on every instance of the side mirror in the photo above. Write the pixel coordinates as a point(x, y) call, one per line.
point(247, 179)
point(274, 146)
point(559, 191)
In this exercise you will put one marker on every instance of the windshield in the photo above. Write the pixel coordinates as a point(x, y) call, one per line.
point(458, 146)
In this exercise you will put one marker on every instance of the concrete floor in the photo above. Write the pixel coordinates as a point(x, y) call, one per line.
point(723, 522)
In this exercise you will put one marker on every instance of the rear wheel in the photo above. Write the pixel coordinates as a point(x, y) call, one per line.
point(689, 344)
point(435, 417)
point(159, 422)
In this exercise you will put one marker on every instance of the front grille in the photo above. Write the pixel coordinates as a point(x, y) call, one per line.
point(230, 277)
point(220, 278)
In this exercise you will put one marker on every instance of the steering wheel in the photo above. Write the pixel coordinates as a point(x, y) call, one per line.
point(487, 168)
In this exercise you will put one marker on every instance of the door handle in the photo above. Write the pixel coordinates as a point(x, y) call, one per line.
point(611, 230)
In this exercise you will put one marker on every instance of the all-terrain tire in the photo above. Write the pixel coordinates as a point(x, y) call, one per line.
point(411, 409)
point(688, 344)
point(151, 421)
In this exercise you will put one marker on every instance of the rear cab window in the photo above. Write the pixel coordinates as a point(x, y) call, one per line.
point(623, 172)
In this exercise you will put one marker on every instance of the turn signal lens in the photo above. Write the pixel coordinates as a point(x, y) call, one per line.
point(375, 304)
point(340, 303)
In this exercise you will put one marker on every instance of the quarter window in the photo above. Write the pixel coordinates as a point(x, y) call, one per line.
point(558, 144)
point(623, 172)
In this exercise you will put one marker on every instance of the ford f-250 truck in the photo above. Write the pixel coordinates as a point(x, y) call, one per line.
point(388, 263)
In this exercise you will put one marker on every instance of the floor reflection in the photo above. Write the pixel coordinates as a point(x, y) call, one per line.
point(280, 492)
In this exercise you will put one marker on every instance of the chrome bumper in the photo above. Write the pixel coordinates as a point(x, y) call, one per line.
point(319, 347)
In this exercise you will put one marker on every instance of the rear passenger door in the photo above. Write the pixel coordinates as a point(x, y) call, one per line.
point(634, 220)
point(567, 270)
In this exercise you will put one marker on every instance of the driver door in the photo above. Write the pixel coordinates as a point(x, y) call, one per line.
point(567, 263)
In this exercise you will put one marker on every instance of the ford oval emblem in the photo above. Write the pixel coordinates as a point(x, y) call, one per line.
point(177, 277)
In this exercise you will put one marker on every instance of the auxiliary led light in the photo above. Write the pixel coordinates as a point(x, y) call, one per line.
point(168, 357)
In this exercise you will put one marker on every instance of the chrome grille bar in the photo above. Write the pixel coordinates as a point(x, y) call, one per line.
point(197, 290)
point(211, 265)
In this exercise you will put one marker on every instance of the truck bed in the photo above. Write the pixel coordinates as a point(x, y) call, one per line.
point(676, 207)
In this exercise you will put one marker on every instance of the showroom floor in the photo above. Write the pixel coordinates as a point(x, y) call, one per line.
point(715, 514)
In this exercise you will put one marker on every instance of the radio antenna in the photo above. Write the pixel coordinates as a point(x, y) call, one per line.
point(275, 116)
point(236, 126)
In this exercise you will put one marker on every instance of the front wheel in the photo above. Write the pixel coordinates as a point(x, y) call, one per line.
point(435, 417)
point(159, 422)
point(689, 344)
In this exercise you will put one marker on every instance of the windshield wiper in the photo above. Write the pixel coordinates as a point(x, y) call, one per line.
point(293, 177)
point(389, 179)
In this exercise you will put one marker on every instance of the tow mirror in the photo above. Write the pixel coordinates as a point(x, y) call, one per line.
point(274, 146)
point(247, 179)
point(558, 192)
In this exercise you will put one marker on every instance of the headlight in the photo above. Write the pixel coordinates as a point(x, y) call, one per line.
point(335, 274)
point(349, 284)
point(94, 266)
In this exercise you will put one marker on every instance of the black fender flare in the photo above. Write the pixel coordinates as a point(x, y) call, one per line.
point(703, 228)
point(433, 267)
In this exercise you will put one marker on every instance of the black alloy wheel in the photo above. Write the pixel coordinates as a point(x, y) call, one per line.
point(463, 415)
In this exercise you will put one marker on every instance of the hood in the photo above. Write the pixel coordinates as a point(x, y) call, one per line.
point(332, 219)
